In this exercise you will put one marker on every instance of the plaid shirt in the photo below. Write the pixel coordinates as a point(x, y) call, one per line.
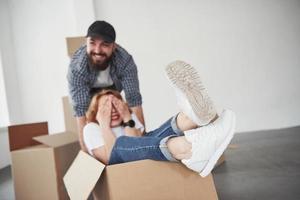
point(81, 78)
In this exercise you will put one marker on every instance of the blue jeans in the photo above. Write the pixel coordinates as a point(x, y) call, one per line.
point(150, 146)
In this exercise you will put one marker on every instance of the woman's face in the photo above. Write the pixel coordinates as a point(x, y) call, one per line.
point(116, 118)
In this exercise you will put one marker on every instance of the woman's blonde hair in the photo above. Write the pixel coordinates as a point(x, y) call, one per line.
point(93, 107)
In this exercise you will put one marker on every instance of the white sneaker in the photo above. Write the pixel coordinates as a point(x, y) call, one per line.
point(192, 97)
point(209, 142)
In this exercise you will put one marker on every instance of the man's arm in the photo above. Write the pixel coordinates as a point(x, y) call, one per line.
point(79, 90)
point(130, 83)
point(81, 121)
point(138, 111)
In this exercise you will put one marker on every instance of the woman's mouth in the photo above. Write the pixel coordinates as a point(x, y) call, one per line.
point(115, 117)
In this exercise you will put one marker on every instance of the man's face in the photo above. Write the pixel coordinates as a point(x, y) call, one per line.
point(99, 52)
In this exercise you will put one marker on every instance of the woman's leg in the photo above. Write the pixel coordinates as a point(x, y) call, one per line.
point(127, 149)
point(166, 129)
point(179, 148)
point(174, 126)
point(199, 151)
point(184, 123)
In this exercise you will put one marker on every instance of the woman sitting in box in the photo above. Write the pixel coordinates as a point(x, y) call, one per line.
point(196, 136)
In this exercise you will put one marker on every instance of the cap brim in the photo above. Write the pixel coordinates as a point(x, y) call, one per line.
point(103, 37)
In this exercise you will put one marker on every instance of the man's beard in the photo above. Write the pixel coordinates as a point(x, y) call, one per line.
point(99, 66)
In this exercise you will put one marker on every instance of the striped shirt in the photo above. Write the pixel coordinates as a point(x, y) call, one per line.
point(81, 79)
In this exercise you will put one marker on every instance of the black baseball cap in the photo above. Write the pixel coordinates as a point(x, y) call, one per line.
point(102, 29)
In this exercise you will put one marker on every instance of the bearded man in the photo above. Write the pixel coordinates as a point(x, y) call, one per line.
point(102, 64)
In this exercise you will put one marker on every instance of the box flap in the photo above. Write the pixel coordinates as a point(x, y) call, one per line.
point(64, 156)
point(73, 43)
point(82, 176)
point(20, 136)
point(58, 139)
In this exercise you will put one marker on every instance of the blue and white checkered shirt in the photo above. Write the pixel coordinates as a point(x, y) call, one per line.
point(81, 78)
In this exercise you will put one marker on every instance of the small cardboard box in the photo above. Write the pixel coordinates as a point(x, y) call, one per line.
point(39, 161)
point(73, 43)
point(143, 180)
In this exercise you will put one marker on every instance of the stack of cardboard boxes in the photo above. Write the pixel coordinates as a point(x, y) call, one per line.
point(52, 167)
point(39, 160)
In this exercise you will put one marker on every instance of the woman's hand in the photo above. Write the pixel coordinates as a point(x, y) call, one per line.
point(122, 108)
point(104, 112)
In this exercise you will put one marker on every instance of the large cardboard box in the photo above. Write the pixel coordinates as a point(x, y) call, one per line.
point(39, 161)
point(142, 180)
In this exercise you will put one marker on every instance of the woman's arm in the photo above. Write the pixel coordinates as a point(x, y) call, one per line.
point(104, 118)
point(123, 109)
point(103, 153)
point(132, 132)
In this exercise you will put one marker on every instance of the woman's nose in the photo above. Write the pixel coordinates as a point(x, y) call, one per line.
point(113, 109)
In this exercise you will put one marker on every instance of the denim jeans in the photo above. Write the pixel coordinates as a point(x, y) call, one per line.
point(150, 146)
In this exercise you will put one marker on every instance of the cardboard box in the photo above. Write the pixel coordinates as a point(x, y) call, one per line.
point(73, 43)
point(70, 120)
point(141, 180)
point(39, 160)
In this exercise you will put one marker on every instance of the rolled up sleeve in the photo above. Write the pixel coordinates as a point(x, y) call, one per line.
point(79, 92)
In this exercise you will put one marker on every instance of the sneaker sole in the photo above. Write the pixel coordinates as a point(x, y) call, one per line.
point(186, 79)
point(215, 157)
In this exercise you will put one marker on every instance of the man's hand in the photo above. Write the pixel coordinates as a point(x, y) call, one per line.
point(138, 111)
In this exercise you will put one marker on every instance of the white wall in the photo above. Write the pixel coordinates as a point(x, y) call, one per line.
point(39, 29)
point(10, 81)
point(248, 53)
point(4, 117)
point(34, 58)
